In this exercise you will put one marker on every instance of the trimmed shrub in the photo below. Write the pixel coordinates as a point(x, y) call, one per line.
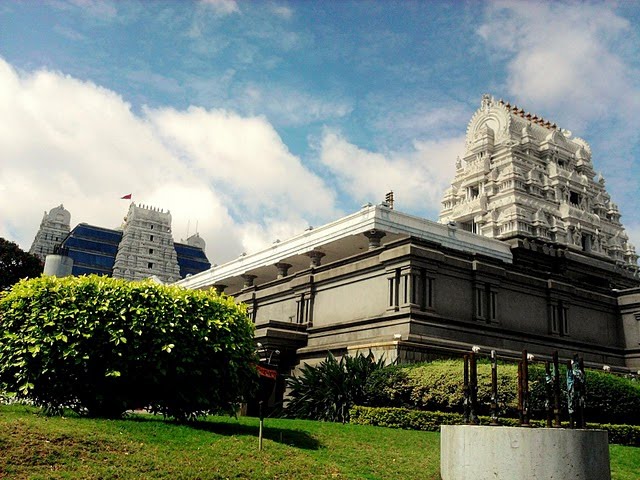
point(431, 421)
point(328, 390)
point(102, 346)
point(438, 386)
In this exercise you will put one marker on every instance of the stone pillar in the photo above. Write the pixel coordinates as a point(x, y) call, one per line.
point(316, 257)
point(374, 237)
point(58, 265)
point(486, 453)
point(393, 280)
point(283, 269)
point(409, 287)
point(248, 280)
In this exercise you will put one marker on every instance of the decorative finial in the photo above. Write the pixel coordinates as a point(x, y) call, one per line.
point(486, 102)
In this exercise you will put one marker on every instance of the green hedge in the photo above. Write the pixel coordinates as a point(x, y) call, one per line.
point(102, 346)
point(437, 386)
point(431, 421)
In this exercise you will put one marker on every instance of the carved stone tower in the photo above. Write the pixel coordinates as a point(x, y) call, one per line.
point(522, 176)
point(53, 230)
point(146, 248)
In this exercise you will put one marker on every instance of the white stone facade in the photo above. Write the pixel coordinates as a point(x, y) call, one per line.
point(522, 176)
point(146, 248)
point(54, 227)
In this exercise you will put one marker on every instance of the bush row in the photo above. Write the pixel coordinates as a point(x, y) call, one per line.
point(437, 386)
point(102, 346)
point(430, 421)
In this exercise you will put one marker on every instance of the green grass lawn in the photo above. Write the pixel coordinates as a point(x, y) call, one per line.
point(145, 447)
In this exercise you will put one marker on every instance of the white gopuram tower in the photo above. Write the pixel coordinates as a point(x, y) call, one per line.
point(146, 249)
point(522, 176)
point(54, 228)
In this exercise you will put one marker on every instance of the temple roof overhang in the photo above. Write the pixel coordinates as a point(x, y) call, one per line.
point(341, 239)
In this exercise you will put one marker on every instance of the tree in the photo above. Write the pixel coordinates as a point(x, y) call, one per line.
point(102, 346)
point(16, 264)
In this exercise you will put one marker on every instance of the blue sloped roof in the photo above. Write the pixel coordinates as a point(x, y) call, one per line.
point(191, 260)
point(93, 249)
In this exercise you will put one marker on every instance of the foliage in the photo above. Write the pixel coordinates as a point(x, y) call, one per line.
point(103, 346)
point(438, 386)
point(215, 448)
point(143, 446)
point(430, 421)
point(328, 390)
point(16, 264)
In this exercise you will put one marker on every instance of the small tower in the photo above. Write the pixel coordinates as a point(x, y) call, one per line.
point(54, 228)
point(147, 247)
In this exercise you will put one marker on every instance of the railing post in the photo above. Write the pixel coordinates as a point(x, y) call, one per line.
point(494, 388)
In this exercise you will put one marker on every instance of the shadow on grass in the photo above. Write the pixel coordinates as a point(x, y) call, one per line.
point(286, 436)
point(294, 438)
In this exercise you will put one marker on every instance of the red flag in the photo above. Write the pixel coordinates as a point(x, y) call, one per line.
point(126, 197)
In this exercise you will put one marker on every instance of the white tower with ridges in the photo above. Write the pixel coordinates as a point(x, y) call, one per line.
point(54, 228)
point(146, 248)
point(522, 176)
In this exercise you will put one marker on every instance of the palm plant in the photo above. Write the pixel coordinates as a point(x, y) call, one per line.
point(327, 391)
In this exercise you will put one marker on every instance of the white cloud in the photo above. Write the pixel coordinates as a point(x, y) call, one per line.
point(69, 33)
point(565, 56)
point(246, 158)
point(222, 7)
point(288, 106)
point(73, 142)
point(418, 178)
point(282, 11)
point(579, 60)
point(98, 9)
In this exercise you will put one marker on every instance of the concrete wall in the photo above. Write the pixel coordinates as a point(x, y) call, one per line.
point(347, 305)
point(345, 299)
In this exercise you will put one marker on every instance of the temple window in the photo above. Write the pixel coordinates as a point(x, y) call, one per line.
point(486, 303)
point(480, 307)
point(574, 198)
point(470, 226)
point(429, 284)
point(559, 324)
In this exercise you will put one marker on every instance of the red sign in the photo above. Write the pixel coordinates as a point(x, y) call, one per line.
point(267, 372)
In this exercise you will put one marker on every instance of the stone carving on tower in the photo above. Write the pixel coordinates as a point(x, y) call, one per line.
point(146, 248)
point(522, 176)
point(54, 228)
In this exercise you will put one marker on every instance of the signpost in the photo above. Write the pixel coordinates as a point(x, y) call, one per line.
point(268, 371)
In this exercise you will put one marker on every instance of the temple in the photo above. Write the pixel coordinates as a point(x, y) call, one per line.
point(529, 252)
point(142, 248)
point(54, 227)
point(523, 177)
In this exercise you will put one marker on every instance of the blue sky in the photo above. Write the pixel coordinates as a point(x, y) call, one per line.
point(254, 120)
